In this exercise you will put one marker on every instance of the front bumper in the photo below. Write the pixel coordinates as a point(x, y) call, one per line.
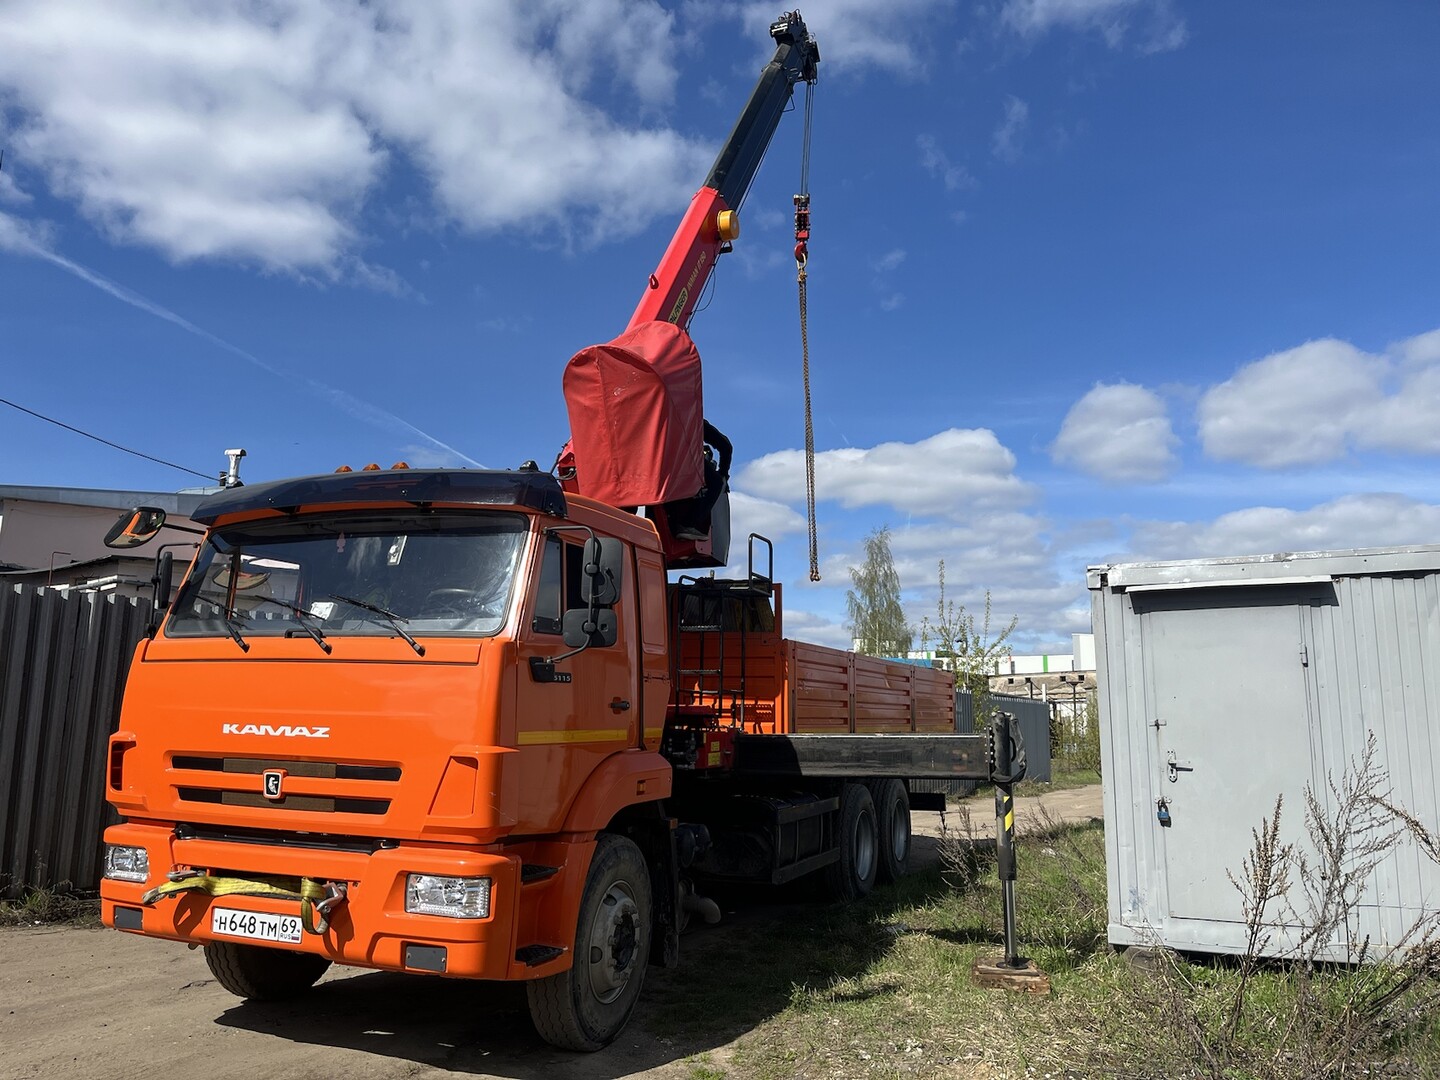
point(370, 929)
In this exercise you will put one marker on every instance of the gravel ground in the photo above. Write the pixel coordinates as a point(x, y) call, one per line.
point(88, 1003)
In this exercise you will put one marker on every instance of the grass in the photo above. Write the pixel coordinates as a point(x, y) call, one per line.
point(56, 904)
point(882, 988)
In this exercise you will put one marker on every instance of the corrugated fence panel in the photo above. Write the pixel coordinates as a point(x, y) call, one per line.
point(1034, 720)
point(63, 661)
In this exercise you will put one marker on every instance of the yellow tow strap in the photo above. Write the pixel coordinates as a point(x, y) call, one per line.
point(309, 893)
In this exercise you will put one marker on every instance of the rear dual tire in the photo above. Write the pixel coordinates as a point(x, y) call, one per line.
point(858, 838)
point(892, 812)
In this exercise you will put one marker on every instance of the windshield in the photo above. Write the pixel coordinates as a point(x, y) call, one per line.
point(370, 574)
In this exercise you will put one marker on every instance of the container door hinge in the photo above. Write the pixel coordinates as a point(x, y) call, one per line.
point(1304, 656)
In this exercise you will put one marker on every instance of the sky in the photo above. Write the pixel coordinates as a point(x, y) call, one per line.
point(1090, 280)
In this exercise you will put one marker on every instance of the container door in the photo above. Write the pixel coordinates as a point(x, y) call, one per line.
point(1229, 719)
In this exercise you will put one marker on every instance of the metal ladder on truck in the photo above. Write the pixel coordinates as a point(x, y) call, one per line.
point(705, 611)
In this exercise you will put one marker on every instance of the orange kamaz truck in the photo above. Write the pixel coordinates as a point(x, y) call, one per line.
point(500, 724)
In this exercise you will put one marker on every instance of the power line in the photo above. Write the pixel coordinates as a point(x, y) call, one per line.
point(107, 442)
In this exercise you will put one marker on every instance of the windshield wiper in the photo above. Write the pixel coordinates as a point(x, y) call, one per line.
point(228, 615)
point(393, 619)
point(301, 616)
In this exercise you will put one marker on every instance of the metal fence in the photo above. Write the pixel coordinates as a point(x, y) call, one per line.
point(1034, 719)
point(63, 661)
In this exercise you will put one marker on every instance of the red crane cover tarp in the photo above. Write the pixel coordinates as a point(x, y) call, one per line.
point(636, 417)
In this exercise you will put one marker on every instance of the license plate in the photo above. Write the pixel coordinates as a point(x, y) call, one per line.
point(256, 925)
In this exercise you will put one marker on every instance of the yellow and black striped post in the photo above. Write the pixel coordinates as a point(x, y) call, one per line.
point(1005, 831)
point(1007, 765)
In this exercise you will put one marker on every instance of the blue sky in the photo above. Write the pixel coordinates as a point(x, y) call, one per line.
point(1090, 279)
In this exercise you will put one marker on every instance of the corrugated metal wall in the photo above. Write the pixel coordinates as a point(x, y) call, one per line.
point(1034, 720)
point(63, 661)
point(1252, 691)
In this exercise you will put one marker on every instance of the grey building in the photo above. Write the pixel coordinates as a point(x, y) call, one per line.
point(55, 537)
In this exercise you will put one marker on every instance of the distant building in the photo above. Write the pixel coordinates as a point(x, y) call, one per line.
point(55, 537)
point(1064, 680)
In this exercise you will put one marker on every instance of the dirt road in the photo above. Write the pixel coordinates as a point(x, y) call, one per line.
point(96, 1004)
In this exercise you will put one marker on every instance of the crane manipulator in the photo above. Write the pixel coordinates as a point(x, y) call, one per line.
point(639, 437)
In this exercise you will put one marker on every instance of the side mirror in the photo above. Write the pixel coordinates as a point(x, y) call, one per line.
point(135, 527)
point(602, 573)
point(581, 632)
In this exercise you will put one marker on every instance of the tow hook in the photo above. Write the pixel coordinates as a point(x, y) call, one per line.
point(315, 917)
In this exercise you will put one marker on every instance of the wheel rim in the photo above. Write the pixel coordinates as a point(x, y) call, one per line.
point(863, 845)
point(613, 942)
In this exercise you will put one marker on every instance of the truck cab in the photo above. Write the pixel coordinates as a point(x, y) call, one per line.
point(392, 692)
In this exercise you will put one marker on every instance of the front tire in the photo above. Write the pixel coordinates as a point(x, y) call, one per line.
point(853, 874)
point(261, 974)
point(585, 1007)
point(892, 811)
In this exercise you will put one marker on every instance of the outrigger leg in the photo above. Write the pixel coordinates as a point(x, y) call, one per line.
point(1012, 971)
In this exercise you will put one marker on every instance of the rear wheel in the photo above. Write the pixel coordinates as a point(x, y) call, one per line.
point(892, 811)
point(586, 1007)
point(261, 974)
point(853, 874)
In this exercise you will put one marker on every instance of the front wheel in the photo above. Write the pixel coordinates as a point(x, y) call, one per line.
point(261, 974)
point(586, 1007)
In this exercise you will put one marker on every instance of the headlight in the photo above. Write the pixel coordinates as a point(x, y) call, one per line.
point(127, 863)
point(453, 897)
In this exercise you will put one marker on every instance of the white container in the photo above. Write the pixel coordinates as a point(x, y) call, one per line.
point(1224, 683)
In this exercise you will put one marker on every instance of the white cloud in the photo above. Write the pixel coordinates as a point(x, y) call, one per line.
point(889, 261)
point(236, 130)
point(890, 297)
point(1313, 403)
point(1002, 552)
point(1009, 137)
point(1119, 433)
point(10, 191)
point(938, 164)
point(1421, 349)
point(1353, 521)
point(772, 519)
point(1154, 23)
point(1295, 407)
point(22, 237)
point(953, 472)
point(807, 626)
point(859, 33)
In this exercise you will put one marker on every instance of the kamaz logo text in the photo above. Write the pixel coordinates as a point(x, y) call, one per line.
point(287, 731)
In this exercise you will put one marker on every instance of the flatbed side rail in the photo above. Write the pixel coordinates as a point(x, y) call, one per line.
point(903, 756)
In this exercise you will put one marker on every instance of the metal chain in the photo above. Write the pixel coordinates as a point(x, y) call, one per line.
point(809, 435)
point(802, 256)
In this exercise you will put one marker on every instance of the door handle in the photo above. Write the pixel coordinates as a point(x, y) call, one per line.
point(619, 705)
point(1175, 768)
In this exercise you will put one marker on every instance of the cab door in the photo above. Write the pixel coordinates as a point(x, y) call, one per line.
point(566, 727)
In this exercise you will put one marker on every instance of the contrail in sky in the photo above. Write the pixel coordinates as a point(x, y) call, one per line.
point(16, 238)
